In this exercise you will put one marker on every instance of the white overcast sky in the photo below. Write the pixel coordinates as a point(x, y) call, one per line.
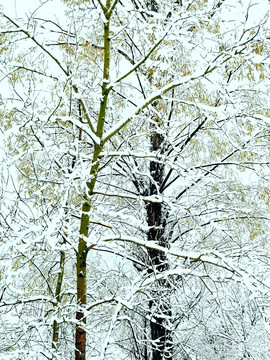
point(49, 8)
point(25, 8)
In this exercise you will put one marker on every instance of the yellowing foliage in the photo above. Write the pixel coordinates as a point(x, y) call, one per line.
point(6, 119)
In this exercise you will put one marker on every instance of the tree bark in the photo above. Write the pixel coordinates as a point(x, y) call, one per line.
point(55, 336)
point(83, 249)
point(80, 335)
point(161, 336)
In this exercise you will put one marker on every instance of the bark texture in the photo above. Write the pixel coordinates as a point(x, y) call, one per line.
point(157, 215)
point(82, 251)
point(80, 334)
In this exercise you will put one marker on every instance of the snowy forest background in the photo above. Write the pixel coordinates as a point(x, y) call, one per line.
point(134, 196)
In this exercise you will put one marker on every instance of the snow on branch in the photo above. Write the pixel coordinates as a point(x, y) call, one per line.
point(210, 257)
point(37, 43)
point(30, 300)
point(139, 63)
point(80, 125)
point(145, 103)
point(151, 198)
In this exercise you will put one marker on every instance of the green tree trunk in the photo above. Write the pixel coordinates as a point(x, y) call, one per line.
point(83, 249)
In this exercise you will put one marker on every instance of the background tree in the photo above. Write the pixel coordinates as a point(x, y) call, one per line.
point(142, 141)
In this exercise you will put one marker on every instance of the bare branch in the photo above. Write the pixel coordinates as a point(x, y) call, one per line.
point(37, 43)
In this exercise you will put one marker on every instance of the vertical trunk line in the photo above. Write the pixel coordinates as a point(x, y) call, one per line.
point(80, 335)
point(82, 252)
point(161, 347)
point(161, 337)
point(55, 336)
point(55, 327)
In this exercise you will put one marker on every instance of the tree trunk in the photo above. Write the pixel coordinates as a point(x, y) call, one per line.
point(55, 336)
point(161, 336)
point(80, 336)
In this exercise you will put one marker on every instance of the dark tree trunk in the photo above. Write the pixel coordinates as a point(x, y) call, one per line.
point(157, 215)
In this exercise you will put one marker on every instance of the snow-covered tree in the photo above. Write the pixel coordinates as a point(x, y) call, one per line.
point(134, 204)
